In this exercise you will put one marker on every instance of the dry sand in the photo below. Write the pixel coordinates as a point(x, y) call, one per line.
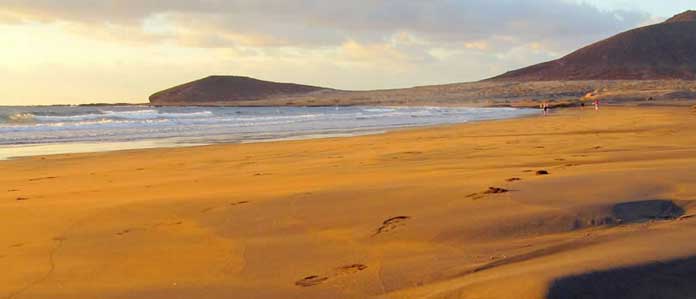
point(408, 214)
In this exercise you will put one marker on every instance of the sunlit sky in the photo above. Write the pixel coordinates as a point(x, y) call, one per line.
point(86, 51)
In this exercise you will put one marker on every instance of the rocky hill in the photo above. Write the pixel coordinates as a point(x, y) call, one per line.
point(662, 51)
point(229, 89)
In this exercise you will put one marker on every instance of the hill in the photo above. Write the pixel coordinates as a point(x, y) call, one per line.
point(662, 51)
point(226, 89)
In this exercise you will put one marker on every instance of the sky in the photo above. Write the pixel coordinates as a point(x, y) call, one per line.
point(87, 51)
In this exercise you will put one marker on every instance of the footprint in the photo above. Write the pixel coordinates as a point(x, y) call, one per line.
point(22, 198)
point(542, 172)
point(412, 153)
point(352, 268)
point(43, 178)
point(12, 190)
point(513, 179)
point(206, 210)
point(391, 224)
point(160, 224)
point(475, 196)
point(495, 190)
point(491, 190)
point(313, 280)
point(125, 231)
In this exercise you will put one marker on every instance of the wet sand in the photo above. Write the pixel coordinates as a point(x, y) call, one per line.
point(576, 204)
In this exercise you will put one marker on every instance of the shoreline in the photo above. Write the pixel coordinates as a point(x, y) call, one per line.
point(42, 149)
point(345, 218)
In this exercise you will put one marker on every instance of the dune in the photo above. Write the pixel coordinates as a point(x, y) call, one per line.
point(379, 216)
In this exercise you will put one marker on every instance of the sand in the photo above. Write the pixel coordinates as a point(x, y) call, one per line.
point(407, 214)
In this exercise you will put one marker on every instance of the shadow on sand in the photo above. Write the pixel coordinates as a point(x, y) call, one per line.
point(674, 279)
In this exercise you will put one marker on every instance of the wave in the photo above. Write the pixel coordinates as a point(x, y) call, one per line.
point(379, 109)
point(153, 114)
point(277, 117)
point(84, 122)
point(135, 115)
point(62, 118)
point(61, 124)
point(21, 118)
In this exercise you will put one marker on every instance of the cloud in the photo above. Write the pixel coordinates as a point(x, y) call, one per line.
point(148, 45)
point(308, 23)
point(350, 27)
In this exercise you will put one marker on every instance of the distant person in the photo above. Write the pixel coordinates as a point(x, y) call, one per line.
point(596, 105)
point(545, 107)
point(582, 105)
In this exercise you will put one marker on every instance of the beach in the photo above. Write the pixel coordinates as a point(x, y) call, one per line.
point(536, 207)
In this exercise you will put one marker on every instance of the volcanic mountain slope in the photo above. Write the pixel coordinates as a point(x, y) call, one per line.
point(662, 51)
point(220, 89)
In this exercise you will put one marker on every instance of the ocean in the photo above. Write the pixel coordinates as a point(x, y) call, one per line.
point(40, 130)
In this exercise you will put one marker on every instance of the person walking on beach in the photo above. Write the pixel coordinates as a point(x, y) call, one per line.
point(596, 105)
point(545, 107)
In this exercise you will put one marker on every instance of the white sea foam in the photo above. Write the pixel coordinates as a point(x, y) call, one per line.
point(107, 114)
point(44, 125)
point(21, 118)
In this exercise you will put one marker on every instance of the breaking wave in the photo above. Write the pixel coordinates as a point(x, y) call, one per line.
point(62, 124)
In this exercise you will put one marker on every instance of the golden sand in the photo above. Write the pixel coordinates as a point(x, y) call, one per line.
point(407, 214)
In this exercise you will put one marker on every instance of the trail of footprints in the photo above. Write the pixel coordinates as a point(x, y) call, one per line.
point(498, 190)
point(313, 280)
point(393, 224)
point(389, 225)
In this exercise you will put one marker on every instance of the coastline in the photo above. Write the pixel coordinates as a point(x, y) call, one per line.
point(354, 217)
point(12, 151)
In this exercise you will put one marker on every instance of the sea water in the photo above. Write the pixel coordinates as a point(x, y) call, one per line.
point(40, 130)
